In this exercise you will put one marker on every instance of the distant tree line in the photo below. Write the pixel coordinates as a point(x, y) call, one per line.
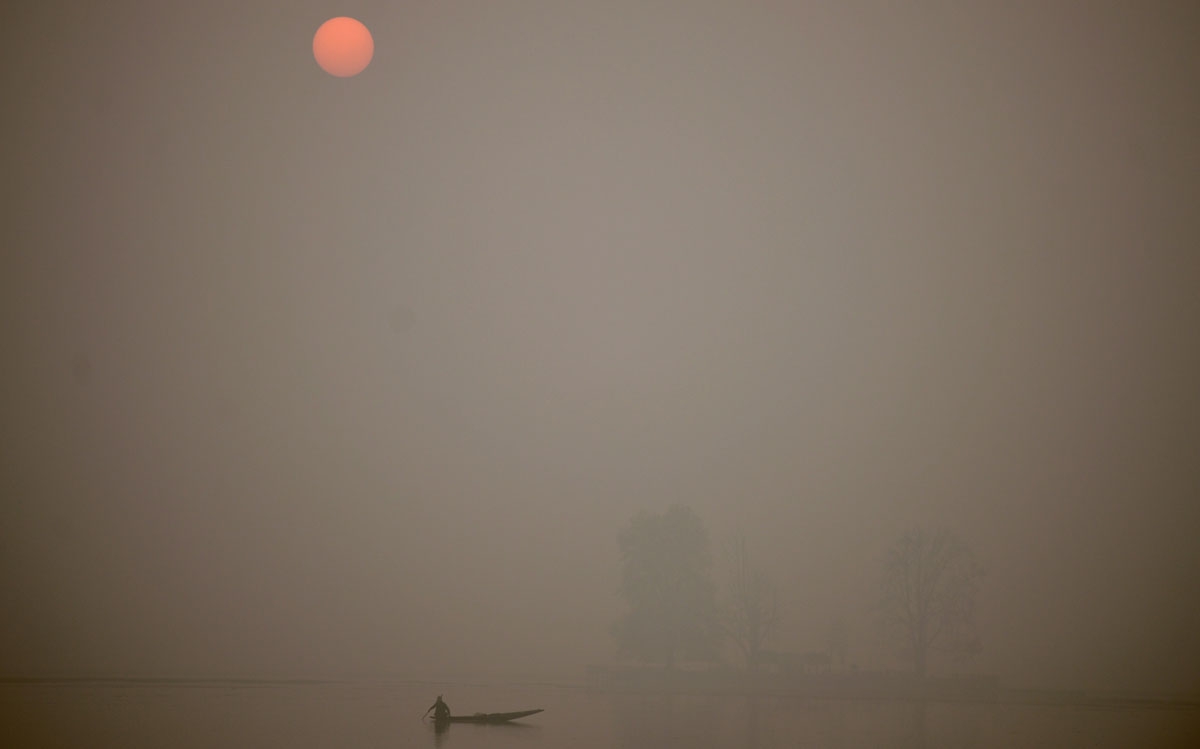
point(929, 584)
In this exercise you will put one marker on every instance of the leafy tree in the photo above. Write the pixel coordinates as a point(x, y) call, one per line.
point(839, 642)
point(750, 612)
point(666, 579)
point(928, 596)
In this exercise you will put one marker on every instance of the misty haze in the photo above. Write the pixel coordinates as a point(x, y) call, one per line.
point(699, 373)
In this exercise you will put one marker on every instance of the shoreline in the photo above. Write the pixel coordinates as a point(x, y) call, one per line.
point(948, 690)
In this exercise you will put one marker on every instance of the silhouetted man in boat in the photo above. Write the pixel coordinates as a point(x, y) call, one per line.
point(441, 711)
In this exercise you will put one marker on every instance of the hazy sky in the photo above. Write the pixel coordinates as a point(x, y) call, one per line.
point(307, 376)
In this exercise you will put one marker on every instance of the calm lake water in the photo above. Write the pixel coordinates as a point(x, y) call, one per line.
point(389, 715)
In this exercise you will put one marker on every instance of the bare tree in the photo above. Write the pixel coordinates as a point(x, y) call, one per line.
point(750, 612)
point(928, 596)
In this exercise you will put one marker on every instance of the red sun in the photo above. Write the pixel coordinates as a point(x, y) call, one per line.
point(343, 47)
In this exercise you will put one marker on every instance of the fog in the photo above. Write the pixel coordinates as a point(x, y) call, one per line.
point(308, 376)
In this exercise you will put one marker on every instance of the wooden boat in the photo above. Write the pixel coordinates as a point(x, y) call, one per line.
point(488, 717)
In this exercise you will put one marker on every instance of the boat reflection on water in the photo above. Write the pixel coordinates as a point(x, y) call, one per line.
point(439, 731)
point(507, 720)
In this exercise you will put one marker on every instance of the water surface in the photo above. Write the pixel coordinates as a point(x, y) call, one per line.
point(388, 714)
